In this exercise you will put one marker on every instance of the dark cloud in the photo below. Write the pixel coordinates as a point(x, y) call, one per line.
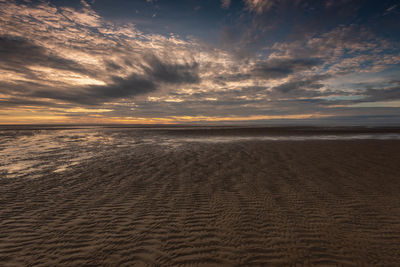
point(222, 79)
point(382, 94)
point(312, 82)
point(280, 68)
point(20, 88)
point(160, 71)
point(17, 54)
point(271, 69)
point(112, 66)
point(156, 72)
point(15, 102)
point(93, 95)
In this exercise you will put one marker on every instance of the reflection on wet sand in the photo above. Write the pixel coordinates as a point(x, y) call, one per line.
point(32, 152)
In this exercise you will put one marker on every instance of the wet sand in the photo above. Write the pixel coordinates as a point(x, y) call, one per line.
point(251, 202)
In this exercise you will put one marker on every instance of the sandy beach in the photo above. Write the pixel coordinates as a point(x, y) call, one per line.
point(198, 203)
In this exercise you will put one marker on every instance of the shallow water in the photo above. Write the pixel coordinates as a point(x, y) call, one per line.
point(32, 152)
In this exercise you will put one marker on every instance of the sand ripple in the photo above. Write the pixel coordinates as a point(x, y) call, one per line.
point(238, 203)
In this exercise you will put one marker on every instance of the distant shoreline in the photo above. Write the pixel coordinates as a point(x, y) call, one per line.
point(181, 129)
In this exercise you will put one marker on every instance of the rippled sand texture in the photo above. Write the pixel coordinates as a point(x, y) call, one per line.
point(230, 203)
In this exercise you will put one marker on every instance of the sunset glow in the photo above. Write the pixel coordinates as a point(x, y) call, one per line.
point(85, 61)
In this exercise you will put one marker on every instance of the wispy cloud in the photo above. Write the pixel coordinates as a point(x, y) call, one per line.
point(260, 6)
point(225, 3)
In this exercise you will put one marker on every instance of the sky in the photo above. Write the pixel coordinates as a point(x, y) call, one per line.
point(200, 61)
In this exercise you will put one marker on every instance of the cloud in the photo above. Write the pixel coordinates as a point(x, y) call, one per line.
point(16, 102)
point(225, 4)
point(18, 54)
point(94, 95)
point(237, 77)
point(344, 49)
point(387, 94)
point(260, 6)
point(76, 57)
point(391, 9)
point(171, 73)
point(275, 68)
point(57, 57)
point(299, 84)
point(112, 66)
point(280, 68)
point(309, 15)
point(154, 73)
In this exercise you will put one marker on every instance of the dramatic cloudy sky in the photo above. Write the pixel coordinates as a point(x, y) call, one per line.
point(165, 61)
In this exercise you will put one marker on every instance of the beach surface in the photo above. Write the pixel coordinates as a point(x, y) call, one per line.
point(199, 196)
